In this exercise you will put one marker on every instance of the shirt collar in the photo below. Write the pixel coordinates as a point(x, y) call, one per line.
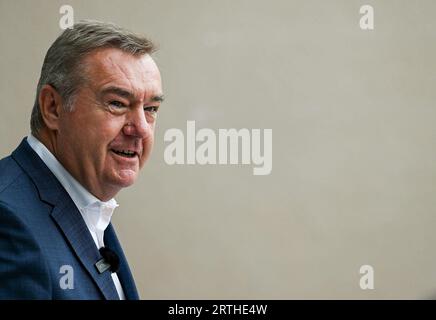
point(82, 198)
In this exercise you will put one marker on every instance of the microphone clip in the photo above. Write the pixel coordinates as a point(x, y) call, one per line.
point(110, 261)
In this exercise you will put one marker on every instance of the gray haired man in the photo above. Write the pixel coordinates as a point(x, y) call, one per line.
point(92, 129)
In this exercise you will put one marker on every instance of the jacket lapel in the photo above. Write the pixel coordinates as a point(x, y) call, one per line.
point(66, 215)
point(124, 273)
point(74, 228)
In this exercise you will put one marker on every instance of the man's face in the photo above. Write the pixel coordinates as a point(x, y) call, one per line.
point(108, 136)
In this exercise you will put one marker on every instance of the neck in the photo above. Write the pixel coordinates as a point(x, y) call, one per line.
point(48, 139)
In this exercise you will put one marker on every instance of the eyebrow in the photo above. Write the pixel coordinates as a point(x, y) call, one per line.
point(129, 95)
point(159, 98)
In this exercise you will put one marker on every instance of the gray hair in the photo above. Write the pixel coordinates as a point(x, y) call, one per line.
point(62, 66)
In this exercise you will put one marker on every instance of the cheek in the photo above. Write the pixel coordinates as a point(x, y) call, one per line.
point(108, 130)
point(147, 146)
point(100, 136)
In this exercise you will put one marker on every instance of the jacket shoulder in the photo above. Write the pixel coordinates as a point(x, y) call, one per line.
point(16, 187)
point(24, 275)
point(10, 171)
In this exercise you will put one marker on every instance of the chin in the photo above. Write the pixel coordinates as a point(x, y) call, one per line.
point(124, 184)
point(124, 180)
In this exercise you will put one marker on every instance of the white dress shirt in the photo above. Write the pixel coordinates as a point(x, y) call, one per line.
point(96, 214)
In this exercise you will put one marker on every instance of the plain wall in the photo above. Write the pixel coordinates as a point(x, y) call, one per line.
point(354, 160)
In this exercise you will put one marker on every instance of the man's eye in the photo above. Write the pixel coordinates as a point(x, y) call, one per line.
point(116, 104)
point(151, 109)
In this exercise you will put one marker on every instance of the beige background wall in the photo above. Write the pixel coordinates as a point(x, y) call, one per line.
point(354, 160)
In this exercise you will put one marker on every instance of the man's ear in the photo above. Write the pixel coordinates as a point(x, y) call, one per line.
point(50, 103)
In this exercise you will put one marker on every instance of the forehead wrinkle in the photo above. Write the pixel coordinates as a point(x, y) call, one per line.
point(150, 91)
point(123, 70)
point(137, 75)
point(139, 83)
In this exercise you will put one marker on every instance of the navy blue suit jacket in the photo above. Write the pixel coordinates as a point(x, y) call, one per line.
point(42, 230)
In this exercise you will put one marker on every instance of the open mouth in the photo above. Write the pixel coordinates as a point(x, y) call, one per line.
point(125, 153)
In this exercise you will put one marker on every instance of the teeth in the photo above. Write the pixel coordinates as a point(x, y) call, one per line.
point(125, 152)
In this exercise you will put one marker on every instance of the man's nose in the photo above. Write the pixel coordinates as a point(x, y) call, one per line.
point(137, 124)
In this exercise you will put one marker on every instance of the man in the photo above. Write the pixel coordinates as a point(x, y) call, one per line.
point(92, 129)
